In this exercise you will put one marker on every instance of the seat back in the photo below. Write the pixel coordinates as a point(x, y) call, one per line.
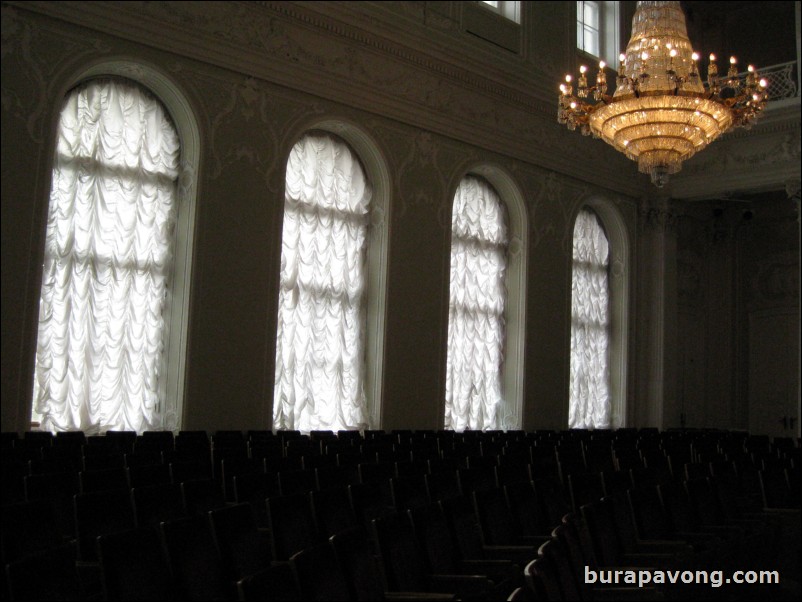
point(194, 560)
point(25, 576)
point(157, 503)
point(409, 492)
point(400, 555)
point(134, 566)
point(101, 513)
point(433, 534)
point(542, 580)
point(292, 524)
point(495, 518)
point(554, 553)
point(28, 528)
point(320, 576)
point(202, 495)
point(333, 510)
point(361, 567)
point(242, 548)
point(466, 530)
point(601, 526)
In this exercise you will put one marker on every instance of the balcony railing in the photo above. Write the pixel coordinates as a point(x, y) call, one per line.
point(782, 80)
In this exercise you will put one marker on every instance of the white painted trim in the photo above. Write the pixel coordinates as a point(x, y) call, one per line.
point(619, 282)
point(172, 391)
point(513, 369)
point(378, 242)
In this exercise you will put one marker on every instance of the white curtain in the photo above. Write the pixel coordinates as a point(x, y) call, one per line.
point(107, 262)
point(320, 351)
point(590, 326)
point(476, 308)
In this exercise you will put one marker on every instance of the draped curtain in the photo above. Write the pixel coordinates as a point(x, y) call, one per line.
point(476, 307)
point(320, 362)
point(107, 260)
point(590, 325)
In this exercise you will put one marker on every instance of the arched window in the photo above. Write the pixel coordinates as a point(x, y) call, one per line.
point(477, 303)
point(106, 300)
point(589, 393)
point(321, 337)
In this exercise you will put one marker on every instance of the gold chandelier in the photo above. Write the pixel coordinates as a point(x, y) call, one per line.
point(661, 112)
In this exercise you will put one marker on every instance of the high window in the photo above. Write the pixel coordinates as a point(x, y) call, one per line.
point(597, 29)
point(508, 9)
point(108, 306)
point(477, 303)
point(321, 339)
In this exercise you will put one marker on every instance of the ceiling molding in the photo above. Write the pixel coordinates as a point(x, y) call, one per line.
point(403, 61)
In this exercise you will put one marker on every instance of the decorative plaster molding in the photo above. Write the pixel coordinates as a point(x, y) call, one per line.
point(689, 279)
point(762, 158)
point(515, 247)
point(404, 61)
point(258, 145)
point(187, 179)
point(617, 268)
point(659, 216)
point(776, 280)
point(22, 42)
point(792, 188)
point(420, 175)
point(291, 45)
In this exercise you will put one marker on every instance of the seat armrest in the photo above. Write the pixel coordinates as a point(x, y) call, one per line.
point(532, 540)
point(663, 546)
point(648, 560)
point(495, 569)
point(460, 584)
point(512, 553)
point(434, 597)
point(603, 594)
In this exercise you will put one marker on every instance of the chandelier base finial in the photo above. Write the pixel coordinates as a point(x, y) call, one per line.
point(659, 175)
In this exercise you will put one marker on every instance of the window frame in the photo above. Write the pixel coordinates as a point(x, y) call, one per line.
point(493, 25)
point(619, 268)
point(508, 9)
point(377, 173)
point(608, 29)
point(513, 372)
point(174, 363)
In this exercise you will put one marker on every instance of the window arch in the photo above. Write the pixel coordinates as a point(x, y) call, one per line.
point(113, 309)
point(484, 369)
point(331, 301)
point(599, 302)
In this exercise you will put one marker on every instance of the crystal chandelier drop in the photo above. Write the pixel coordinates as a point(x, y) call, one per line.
point(661, 112)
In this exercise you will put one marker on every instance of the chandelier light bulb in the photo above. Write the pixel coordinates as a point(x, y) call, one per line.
point(582, 69)
point(712, 58)
point(602, 64)
point(695, 56)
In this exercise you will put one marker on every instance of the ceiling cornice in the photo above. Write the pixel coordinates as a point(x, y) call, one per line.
point(385, 58)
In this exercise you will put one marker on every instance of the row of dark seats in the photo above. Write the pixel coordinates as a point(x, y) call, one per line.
point(427, 547)
point(299, 510)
